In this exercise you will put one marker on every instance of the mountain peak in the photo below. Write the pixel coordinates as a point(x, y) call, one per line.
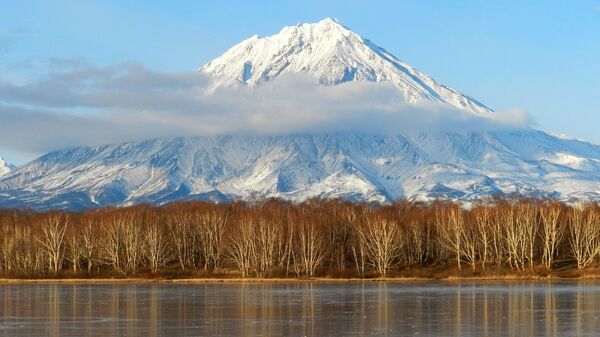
point(332, 54)
point(327, 24)
point(323, 27)
point(329, 21)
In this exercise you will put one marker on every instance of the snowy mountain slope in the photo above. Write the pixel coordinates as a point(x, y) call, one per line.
point(296, 167)
point(332, 54)
point(366, 167)
point(5, 167)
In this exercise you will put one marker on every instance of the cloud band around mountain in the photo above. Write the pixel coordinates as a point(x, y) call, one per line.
point(80, 104)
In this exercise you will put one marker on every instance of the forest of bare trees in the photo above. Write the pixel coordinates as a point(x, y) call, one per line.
point(312, 239)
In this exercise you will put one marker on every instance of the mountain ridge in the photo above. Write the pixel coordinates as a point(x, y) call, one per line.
point(297, 167)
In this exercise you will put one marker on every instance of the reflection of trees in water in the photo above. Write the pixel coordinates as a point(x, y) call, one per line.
point(302, 309)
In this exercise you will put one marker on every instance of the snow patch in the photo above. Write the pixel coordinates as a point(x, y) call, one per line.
point(5, 167)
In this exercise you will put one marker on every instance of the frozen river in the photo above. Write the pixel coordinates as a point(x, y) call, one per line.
point(461, 308)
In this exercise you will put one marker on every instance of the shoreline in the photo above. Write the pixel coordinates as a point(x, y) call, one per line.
point(296, 280)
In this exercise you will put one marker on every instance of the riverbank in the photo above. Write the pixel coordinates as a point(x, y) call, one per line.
point(297, 280)
point(566, 270)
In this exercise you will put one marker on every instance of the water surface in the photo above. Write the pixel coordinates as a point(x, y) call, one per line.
point(302, 309)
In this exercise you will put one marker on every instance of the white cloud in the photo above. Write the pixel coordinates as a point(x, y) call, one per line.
point(80, 104)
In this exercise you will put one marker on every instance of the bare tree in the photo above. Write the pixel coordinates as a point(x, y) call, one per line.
point(551, 231)
point(357, 245)
point(52, 237)
point(482, 218)
point(156, 248)
point(309, 247)
point(183, 237)
point(307, 239)
point(241, 246)
point(254, 245)
point(29, 256)
point(132, 242)
point(339, 218)
point(450, 228)
point(264, 253)
point(584, 228)
point(382, 242)
point(112, 244)
point(497, 232)
point(211, 226)
point(8, 242)
point(520, 234)
point(527, 220)
point(287, 247)
point(414, 243)
point(89, 242)
point(75, 248)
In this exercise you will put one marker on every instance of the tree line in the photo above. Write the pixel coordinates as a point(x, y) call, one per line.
point(316, 238)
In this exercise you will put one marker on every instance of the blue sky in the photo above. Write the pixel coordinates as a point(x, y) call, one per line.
point(539, 56)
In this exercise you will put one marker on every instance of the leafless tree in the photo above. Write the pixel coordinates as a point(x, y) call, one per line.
point(210, 228)
point(584, 228)
point(112, 243)
point(415, 243)
point(312, 238)
point(264, 253)
point(482, 218)
point(551, 231)
point(183, 237)
point(382, 243)
point(309, 247)
point(8, 242)
point(89, 242)
point(451, 230)
point(132, 242)
point(241, 246)
point(75, 247)
point(156, 249)
point(52, 239)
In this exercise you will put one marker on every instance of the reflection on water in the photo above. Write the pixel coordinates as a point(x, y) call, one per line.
point(302, 309)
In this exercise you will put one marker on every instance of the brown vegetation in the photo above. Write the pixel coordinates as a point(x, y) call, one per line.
point(311, 239)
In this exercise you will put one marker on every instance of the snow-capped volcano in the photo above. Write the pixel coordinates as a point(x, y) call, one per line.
point(5, 167)
point(417, 166)
point(332, 54)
